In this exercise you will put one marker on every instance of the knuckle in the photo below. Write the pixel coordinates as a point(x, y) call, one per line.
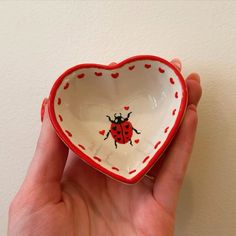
point(178, 176)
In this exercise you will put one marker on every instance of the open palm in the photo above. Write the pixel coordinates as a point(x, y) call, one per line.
point(61, 195)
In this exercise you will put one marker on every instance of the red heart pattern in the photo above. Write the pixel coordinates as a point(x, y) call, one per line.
point(115, 75)
point(147, 66)
point(98, 73)
point(136, 140)
point(66, 86)
point(102, 132)
point(80, 76)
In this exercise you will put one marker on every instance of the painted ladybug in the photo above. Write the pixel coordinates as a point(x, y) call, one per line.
point(121, 129)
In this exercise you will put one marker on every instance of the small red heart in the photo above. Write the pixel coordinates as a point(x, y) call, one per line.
point(157, 144)
point(132, 171)
point(131, 67)
point(66, 86)
point(147, 66)
point(60, 117)
point(161, 70)
point(173, 112)
point(59, 101)
point(97, 158)
point(115, 75)
point(102, 132)
point(166, 129)
point(145, 159)
point(115, 168)
point(98, 73)
point(68, 133)
point(80, 76)
point(136, 140)
point(81, 146)
point(176, 95)
point(126, 108)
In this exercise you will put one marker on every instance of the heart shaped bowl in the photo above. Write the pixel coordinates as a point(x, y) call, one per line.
point(119, 118)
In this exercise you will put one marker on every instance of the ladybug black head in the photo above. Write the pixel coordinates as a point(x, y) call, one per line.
point(118, 119)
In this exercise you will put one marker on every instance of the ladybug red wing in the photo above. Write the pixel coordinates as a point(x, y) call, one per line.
point(116, 132)
point(127, 130)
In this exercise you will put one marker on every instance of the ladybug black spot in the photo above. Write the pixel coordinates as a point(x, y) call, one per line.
point(114, 136)
point(119, 139)
point(127, 126)
point(114, 128)
point(118, 132)
point(126, 132)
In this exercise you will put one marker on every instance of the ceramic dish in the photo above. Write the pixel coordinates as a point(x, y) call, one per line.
point(119, 118)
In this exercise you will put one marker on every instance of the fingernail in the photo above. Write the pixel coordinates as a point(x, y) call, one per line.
point(112, 63)
point(44, 103)
point(177, 63)
point(196, 77)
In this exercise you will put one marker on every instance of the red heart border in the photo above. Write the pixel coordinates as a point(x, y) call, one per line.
point(89, 160)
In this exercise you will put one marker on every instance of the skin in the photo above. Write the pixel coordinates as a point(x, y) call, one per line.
point(61, 195)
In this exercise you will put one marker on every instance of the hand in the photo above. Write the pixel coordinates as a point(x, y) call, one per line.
point(68, 197)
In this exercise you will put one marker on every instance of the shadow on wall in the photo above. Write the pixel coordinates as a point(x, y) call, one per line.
point(185, 208)
point(196, 194)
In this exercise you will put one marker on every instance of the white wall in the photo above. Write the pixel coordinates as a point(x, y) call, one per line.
point(39, 40)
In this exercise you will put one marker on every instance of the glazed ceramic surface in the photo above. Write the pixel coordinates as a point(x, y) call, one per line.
point(120, 118)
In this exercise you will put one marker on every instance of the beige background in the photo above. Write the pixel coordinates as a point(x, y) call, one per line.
point(39, 40)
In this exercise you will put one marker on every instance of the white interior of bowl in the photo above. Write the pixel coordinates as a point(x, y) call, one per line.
point(152, 93)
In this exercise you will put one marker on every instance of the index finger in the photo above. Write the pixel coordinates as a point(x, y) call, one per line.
point(50, 155)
